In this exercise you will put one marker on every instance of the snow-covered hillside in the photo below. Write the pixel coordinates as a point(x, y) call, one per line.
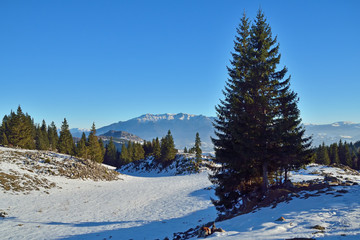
point(129, 208)
point(331, 213)
point(155, 206)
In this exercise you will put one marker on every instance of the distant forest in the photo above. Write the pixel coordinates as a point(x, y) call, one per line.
point(19, 130)
point(338, 153)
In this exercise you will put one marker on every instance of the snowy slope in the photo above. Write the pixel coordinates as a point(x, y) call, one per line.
point(337, 209)
point(155, 207)
point(132, 208)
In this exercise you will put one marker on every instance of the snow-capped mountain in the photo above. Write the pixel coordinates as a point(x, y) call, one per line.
point(182, 126)
point(77, 132)
point(330, 133)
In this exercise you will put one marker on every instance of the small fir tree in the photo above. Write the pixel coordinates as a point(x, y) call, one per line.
point(66, 142)
point(111, 154)
point(95, 151)
point(197, 147)
point(168, 151)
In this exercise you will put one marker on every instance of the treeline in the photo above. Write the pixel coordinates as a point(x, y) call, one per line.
point(338, 153)
point(162, 150)
point(19, 130)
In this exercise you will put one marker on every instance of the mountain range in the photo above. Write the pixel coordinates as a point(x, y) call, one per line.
point(184, 127)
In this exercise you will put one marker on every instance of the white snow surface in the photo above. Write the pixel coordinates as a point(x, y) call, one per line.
point(132, 208)
point(338, 212)
point(155, 207)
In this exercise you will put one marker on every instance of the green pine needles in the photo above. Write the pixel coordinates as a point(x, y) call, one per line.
point(258, 126)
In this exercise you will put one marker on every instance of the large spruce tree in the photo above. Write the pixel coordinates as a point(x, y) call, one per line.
point(258, 127)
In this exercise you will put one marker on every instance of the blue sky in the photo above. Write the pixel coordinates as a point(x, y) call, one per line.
point(108, 61)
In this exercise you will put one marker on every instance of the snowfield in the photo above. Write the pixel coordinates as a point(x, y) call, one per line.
point(158, 205)
point(131, 208)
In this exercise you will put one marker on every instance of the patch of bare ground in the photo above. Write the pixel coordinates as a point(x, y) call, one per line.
point(25, 171)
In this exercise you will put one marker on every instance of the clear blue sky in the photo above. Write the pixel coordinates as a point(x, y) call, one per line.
point(109, 61)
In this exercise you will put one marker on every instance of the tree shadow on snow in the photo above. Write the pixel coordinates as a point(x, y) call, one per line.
point(151, 230)
point(89, 224)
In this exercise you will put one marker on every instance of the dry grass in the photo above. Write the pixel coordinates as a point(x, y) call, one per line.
point(34, 167)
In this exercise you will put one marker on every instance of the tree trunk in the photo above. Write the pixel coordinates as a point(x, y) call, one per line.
point(286, 175)
point(265, 177)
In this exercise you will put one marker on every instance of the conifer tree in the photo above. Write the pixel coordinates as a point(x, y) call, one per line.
point(102, 148)
point(334, 154)
point(168, 151)
point(156, 149)
point(138, 152)
point(131, 150)
point(124, 155)
point(185, 150)
point(198, 150)
point(81, 148)
point(148, 148)
point(95, 151)
point(21, 130)
point(66, 142)
point(42, 139)
point(53, 136)
point(4, 140)
point(111, 154)
point(258, 118)
point(323, 155)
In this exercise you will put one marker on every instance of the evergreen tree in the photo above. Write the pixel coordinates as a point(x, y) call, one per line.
point(156, 149)
point(102, 148)
point(81, 148)
point(66, 142)
point(185, 150)
point(138, 152)
point(111, 154)
point(347, 156)
point(258, 118)
point(148, 148)
point(4, 131)
point(131, 150)
point(168, 151)
point(198, 150)
point(95, 151)
point(42, 139)
point(21, 130)
point(323, 155)
point(344, 154)
point(334, 154)
point(4, 140)
point(124, 155)
point(53, 136)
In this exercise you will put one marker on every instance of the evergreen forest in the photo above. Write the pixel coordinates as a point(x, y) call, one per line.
point(19, 130)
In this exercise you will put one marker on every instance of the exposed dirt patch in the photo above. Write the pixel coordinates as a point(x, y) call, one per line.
point(25, 171)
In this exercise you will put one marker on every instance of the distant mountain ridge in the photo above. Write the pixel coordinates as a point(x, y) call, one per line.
point(182, 126)
point(330, 133)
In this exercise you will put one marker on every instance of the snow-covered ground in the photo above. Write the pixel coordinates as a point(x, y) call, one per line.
point(156, 206)
point(131, 208)
point(337, 209)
